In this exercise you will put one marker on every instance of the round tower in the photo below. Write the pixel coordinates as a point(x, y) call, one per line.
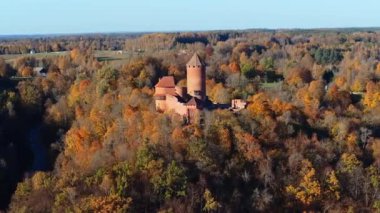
point(196, 78)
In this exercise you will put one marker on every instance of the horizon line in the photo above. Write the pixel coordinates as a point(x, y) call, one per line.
point(376, 28)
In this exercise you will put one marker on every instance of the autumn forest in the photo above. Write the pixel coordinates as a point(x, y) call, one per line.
point(79, 131)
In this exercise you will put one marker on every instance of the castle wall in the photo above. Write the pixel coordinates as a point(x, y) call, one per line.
point(172, 103)
point(161, 104)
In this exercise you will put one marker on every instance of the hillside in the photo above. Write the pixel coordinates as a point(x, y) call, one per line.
point(308, 139)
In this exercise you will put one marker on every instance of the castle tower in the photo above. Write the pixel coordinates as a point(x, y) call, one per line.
point(196, 78)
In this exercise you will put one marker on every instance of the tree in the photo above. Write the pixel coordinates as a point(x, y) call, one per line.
point(350, 168)
point(107, 79)
point(235, 68)
point(122, 175)
point(26, 71)
point(267, 64)
point(375, 146)
point(248, 70)
point(259, 105)
point(4, 68)
point(211, 204)
point(358, 86)
point(308, 189)
point(298, 76)
point(377, 70)
point(111, 203)
point(372, 183)
point(261, 199)
point(246, 66)
point(249, 146)
point(220, 94)
point(30, 94)
point(77, 92)
point(75, 54)
point(372, 96)
point(172, 183)
point(327, 56)
point(333, 186)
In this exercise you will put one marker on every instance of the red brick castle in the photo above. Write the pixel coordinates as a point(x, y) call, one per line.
point(185, 101)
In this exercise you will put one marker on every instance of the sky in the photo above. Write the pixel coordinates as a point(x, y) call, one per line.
point(95, 16)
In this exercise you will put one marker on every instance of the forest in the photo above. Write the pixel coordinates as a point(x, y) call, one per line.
point(86, 137)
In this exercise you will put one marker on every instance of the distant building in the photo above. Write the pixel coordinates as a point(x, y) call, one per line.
point(238, 104)
point(40, 71)
point(32, 52)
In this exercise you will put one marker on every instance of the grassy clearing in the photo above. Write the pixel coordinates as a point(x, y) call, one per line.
point(104, 56)
point(271, 85)
point(100, 55)
point(11, 58)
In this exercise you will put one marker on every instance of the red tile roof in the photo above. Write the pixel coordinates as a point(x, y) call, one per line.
point(195, 61)
point(167, 92)
point(166, 81)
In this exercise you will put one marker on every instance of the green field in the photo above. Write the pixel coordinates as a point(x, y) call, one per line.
point(10, 58)
point(103, 55)
point(100, 55)
point(272, 85)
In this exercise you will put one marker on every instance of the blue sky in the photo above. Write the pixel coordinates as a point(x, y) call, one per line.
point(78, 16)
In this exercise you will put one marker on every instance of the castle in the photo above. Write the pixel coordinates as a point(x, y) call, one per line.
point(187, 101)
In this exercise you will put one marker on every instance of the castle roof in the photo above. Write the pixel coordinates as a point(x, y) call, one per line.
point(166, 82)
point(195, 61)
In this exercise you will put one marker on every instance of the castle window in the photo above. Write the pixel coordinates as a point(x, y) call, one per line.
point(197, 93)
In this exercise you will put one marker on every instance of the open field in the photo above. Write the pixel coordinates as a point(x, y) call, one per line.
point(111, 55)
point(100, 55)
point(272, 85)
point(10, 58)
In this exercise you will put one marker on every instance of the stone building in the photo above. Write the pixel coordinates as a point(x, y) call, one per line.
point(187, 101)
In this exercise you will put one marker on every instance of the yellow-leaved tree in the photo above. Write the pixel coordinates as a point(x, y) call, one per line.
point(372, 96)
point(211, 204)
point(333, 186)
point(308, 190)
